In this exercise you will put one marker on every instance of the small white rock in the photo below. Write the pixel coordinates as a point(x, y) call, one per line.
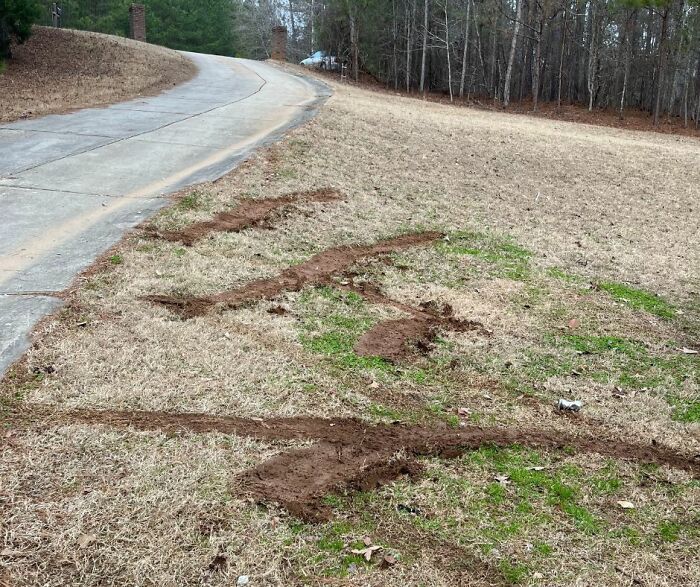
point(243, 580)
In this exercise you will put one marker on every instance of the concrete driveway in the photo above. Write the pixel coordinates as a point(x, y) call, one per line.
point(72, 184)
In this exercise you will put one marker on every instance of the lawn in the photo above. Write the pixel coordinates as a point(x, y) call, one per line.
point(147, 445)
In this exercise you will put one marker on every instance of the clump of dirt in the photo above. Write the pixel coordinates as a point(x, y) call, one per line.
point(316, 271)
point(248, 213)
point(350, 453)
point(400, 339)
point(396, 340)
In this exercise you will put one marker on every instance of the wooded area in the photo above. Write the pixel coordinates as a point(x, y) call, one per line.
point(612, 54)
point(600, 53)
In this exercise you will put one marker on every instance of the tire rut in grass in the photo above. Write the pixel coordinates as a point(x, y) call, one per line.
point(349, 454)
point(248, 213)
point(317, 270)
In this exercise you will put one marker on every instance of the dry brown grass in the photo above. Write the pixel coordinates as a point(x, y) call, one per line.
point(60, 70)
point(612, 205)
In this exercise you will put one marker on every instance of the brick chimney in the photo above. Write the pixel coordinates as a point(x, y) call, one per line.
point(279, 43)
point(137, 22)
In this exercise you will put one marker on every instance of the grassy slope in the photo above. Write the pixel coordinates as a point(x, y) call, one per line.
point(546, 222)
point(59, 70)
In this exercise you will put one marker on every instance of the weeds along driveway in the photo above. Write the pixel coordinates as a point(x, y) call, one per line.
point(70, 185)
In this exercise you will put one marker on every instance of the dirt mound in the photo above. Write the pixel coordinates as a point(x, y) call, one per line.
point(350, 453)
point(400, 339)
point(58, 70)
point(317, 270)
point(248, 213)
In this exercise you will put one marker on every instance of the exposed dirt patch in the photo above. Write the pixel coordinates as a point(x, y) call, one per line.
point(400, 339)
point(317, 270)
point(299, 479)
point(350, 454)
point(248, 213)
point(58, 70)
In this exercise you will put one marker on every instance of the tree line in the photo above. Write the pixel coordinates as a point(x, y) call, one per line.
point(616, 54)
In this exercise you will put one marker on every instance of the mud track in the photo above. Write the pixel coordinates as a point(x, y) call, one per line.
point(349, 453)
point(248, 213)
point(316, 271)
point(401, 339)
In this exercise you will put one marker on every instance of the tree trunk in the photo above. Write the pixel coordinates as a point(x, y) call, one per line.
point(409, 41)
point(536, 62)
point(562, 50)
point(631, 22)
point(676, 54)
point(312, 26)
point(292, 22)
point(425, 48)
point(511, 57)
point(394, 41)
point(353, 47)
point(492, 62)
point(661, 66)
point(465, 52)
point(592, 55)
point(447, 48)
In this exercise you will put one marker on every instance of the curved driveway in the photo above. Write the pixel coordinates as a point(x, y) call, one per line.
point(72, 184)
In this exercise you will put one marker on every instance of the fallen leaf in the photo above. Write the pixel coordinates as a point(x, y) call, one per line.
point(464, 412)
point(367, 540)
point(366, 552)
point(85, 540)
point(374, 385)
point(574, 323)
point(537, 576)
point(535, 468)
point(502, 479)
point(389, 560)
point(687, 351)
point(625, 505)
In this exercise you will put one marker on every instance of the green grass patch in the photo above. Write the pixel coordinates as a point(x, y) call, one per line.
point(558, 273)
point(116, 259)
point(603, 344)
point(191, 201)
point(686, 410)
point(639, 299)
point(669, 531)
point(514, 573)
point(334, 322)
point(507, 257)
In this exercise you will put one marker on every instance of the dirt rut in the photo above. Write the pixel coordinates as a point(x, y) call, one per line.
point(248, 213)
point(349, 453)
point(316, 271)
